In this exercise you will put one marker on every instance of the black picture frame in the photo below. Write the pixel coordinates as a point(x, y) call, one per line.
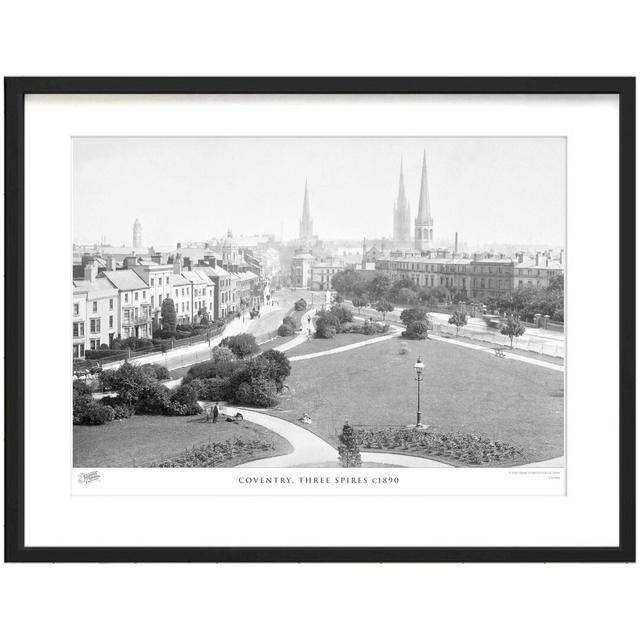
point(15, 91)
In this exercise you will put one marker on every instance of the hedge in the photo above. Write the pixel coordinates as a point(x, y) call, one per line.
point(99, 354)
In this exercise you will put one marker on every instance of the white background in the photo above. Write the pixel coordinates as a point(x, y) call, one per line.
point(463, 38)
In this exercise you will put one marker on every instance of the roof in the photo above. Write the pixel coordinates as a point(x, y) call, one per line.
point(303, 256)
point(99, 288)
point(196, 276)
point(124, 279)
point(248, 275)
point(213, 271)
point(531, 264)
point(178, 280)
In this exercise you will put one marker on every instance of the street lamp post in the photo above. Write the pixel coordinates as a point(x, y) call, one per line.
point(419, 368)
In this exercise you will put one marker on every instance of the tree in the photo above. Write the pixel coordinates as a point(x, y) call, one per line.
point(222, 354)
point(384, 307)
point(379, 287)
point(360, 301)
point(406, 296)
point(242, 345)
point(342, 312)
point(349, 450)
point(280, 366)
point(459, 319)
point(300, 305)
point(439, 294)
point(513, 328)
point(327, 325)
point(169, 320)
point(410, 315)
point(417, 330)
point(128, 381)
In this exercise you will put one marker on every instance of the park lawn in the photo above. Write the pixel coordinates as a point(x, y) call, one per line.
point(316, 345)
point(148, 438)
point(463, 390)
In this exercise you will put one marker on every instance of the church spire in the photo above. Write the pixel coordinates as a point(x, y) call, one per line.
point(424, 207)
point(401, 215)
point(424, 221)
point(306, 224)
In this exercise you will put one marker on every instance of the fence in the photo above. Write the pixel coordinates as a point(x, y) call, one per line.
point(167, 345)
point(525, 343)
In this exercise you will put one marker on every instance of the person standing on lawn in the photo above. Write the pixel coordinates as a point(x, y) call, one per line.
point(216, 412)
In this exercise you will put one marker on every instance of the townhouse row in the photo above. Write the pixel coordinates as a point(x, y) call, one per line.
point(127, 302)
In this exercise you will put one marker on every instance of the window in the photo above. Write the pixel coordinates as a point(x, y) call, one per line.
point(153, 282)
point(94, 326)
point(78, 350)
point(126, 297)
point(159, 300)
point(95, 306)
point(110, 304)
point(135, 296)
point(144, 295)
point(76, 309)
point(110, 322)
point(167, 279)
point(95, 344)
point(152, 297)
point(78, 329)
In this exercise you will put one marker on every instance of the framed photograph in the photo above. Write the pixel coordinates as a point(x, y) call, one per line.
point(320, 319)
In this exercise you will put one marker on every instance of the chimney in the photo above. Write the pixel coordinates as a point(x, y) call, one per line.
point(87, 258)
point(90, 271)
point(455, 244)
point(187, 264)
point(546, 261)
point(157, 258)
point(475, 257)
point(129, 261)
point(177, 265)
point(537, 258)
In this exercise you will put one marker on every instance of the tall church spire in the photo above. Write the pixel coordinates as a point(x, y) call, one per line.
point(401, 213)
point(424, 221)
point(306, 224)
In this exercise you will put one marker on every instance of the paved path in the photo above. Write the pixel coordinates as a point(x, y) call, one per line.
point(507, 355)
point(302, 337)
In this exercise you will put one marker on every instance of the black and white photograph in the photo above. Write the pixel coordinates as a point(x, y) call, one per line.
point(318, 302)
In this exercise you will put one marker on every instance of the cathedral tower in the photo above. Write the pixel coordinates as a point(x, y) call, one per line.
point(401, 214)
point(424, 221)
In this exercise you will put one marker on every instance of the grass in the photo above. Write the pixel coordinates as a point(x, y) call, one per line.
point(463, 390)
point(316, 345)
point(148, 438)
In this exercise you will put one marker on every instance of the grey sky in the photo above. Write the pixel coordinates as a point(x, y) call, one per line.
point(490, 190)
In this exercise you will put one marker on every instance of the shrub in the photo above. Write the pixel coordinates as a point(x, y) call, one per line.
point(342, 312)
point(417, 330)
point(211, 369)
point(412, 315)
point(255, 384)
point(324, 329)
point(222, 354)
point(290, 321)
point(87, 411)
point(121, 410)
point(99, 354)
point(156, 371)
point(214, 389)
point(300, 305)
point(285, 330)
point(280, 367)
point(184, 401)
point(242, 345)
point(349, 450)
point(153, 399)
point(128, 381)
point(369, 328)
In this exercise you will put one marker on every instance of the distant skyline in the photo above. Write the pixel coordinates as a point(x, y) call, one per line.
point(490, 190)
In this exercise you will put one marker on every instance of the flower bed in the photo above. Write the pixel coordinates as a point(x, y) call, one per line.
point(467, 449)
point(221, 454)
